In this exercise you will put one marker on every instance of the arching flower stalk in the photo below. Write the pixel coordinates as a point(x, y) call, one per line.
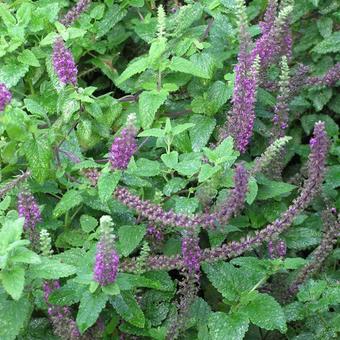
point(319, 255)
point(277, 249)
point(5, 97)
point(74, 13)
point(63, 63)
point(124, 146)
point(14, 183)
point(328, 79)
point(316, 171)
point(107, 260)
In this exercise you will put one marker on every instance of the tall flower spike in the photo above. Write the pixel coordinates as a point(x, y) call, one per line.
point(124, 146)
point(281, 108)
point(161, 22)
point(191, 251)
point(5, 97)
point(29, 209)
point(63, 324)
point(45, 243)
point(63, 63)
point(269, 17)
point(107, 260)
point(74, 13)
point(241, 121)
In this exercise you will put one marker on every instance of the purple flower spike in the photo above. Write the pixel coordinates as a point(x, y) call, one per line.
point(191, 253)
point(5, 97)
point(107, 260)
point(123, 147)
point(74, 13)
point(63, 324)
point(64, 64)
point(29, 209)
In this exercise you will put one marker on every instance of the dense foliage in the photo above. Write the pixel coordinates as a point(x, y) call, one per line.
point(169, 169)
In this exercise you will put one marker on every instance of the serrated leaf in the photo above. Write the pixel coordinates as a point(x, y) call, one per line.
point(38, 154)
point(252, 190)
point(311, 290)
point(24, 255)
point(129, 238)
point(204, 126)
point(188, 168)
point(13, 317)
point(149, 103)
point(111, 18)
point(11, 74)
point(67, 295)
point(180, 64)
point(135, 67)
point(13, 281)
point(89, 309)
point(10, 232)
point(170, 159)
point(325, 26)
point(293, 263)
point(88, 223)
point(51, 269)
point(207, 171)
point(70, 200)
point(111, 289)
point(107, 183)
point(152, 133)
point(265, 312)
point(28, 57)
point(269, 189)
point(128, 308)
point(223, 326)
point(329, 45)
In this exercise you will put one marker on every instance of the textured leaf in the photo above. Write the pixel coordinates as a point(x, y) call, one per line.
point(188, 168)
point(265, 312)
point(207, 171)
point(111, 18)
point(88, 223)
point(204, 126)
point(38, 154)
point(89, 309)
point(133, 68)
point(67, 295)
point(329, 45)
point(24, 255)
point(70, 200)
point(231, 327)
point(129, 238)
point(269, 189)
point(107, 183)
point(149, 103)
point(13, 281)
point(28, 57)
point(128, 308)
point(170, 159)
point(13, 317)
point(51, 269)
point(180, 64)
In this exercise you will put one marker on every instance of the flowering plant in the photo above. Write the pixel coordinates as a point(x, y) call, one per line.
point(169, 169)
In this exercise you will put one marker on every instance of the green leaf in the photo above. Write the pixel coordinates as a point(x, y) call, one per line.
point(6, 15)
point(174, 185)
point(70, 200)
point(10, 232)
point(34, 107)
point(111, 18)
point(302, 238)
point(89, 309)
point(224, 153)
point(38, 154)
point(146, 168)
point(294, 263)
point(51, 269)
point(129, 238)
point(128, 308)
point(27, 57)
point(311, 290)
point(180, 64)
point(188, 168)
point(24, 255)
point(264, 311)
point(10, 74)
point(157, 48)
point(325, 26)
point(269, 189)
point(14, 315)
point(152, 133)
point(135, 67)
point(231, 327)
point(252, 190)
point(181, 128)
point(68, 294)
point(13, 281)
point(111, 289)
point(149, 103)
point(200, 135)
point(107, 183)
point(88, 223)
point(170, 159)
point(207, 171)
point(308, 122)
point(330, 45)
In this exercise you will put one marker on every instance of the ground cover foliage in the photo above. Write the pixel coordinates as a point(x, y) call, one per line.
point(169, 169)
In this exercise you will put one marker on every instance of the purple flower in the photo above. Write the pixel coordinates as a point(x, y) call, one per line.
point(107, 260)
point(123, 148)
point(277, 249)
point(191, 252)
point(5, 96)
point(29, 209)
point(73, 14)
point(155, 233)
point(331, 77)
point(241, 120)
point(63, 63)
point(237, 196)
point(63, 324)
point(269, 17)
